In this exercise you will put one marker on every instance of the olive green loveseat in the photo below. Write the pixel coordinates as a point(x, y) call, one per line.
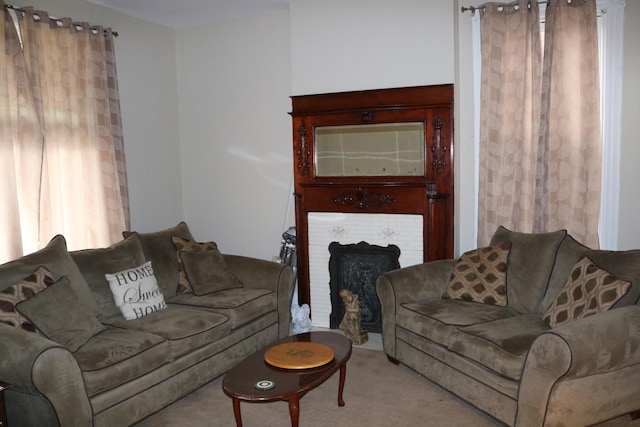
point(510, 361)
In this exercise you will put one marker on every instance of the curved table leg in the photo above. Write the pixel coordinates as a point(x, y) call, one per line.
point(343, 375)
point(236, 412)
point(294, 409)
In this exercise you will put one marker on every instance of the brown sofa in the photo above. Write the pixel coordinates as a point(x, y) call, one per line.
point(509, 361)
point(104, 370)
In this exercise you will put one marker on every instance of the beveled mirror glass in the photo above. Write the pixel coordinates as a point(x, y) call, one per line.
point(387, 149)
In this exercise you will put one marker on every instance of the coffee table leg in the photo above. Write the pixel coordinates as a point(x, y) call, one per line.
point(343, 375)
point(236, 412)
point(294, 409)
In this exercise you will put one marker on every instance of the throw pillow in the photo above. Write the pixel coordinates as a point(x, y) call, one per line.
point(588, 290)
point(207, 272)
point(183, 245)
point(136, 291)
point(58, 313)
point(159, 249)
point(527, 281)
point(36, 282)
point(480, 275)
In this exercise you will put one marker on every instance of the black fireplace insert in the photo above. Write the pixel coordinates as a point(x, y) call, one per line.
point(356, 267)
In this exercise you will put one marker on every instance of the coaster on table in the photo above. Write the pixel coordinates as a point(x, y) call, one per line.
point(265, 385)
point(299, 355)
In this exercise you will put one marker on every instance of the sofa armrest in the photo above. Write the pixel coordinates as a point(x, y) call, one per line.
point(36, 366)
point(594, 345)
point(418, 282)
point(258, 273)
point(409, 284)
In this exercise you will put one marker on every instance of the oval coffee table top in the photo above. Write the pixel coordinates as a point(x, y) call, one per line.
point(240, 382)
point(298, 355)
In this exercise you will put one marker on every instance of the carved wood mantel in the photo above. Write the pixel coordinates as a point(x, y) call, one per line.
point(427, 192)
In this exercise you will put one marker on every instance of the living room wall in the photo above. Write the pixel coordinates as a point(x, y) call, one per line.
point(207, 134)
point(235, 80)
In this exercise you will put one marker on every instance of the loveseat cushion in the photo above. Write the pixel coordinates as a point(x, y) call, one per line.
point(568, 254)
point(95, 263)
point(623, 265)
point(589, 290)
point(480, 275)
point(531, 260)
point(56, 259)
point(437, 319)
point(240, 305)
point(116, 356)
point(184, 328)
point(501, 345)
point(159, 249)
point(59, 314)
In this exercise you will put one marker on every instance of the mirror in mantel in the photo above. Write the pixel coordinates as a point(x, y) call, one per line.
point(387, 149)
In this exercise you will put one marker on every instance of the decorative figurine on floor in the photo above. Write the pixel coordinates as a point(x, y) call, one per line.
point(351, 324)
point(300, 320)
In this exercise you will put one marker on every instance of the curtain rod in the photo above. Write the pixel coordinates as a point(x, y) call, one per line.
point(473, 9)
point(10, 6)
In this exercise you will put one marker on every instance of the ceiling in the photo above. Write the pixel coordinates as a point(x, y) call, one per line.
point(191, 13)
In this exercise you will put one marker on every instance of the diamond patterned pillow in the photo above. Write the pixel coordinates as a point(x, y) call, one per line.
point(588, 290)
point(39, 280)
point(184, 286)
point(480, 275)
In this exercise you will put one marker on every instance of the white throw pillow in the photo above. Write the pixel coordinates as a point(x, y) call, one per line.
point(136, 291)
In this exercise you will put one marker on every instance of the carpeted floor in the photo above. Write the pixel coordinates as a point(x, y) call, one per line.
point(377, 393)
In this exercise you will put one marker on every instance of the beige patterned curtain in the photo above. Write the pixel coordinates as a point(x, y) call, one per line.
point(62, 149)
point(569, 163)
point(509, 116)
point(540, 130)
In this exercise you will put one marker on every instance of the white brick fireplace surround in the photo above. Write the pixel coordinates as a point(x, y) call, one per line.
point(404, 231)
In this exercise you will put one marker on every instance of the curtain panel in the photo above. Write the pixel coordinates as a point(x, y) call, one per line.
point(62, 148)
point(540, 148)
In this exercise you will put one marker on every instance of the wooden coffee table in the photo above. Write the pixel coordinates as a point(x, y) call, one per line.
point(290, 384)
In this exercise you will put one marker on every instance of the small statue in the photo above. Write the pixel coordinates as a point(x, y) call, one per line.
point(300, 320)
point(351, 324)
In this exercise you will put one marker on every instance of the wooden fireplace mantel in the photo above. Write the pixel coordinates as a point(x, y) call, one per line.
point(428, 192)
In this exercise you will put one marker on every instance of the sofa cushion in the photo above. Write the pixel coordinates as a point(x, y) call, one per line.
point(184, 245)
point(136, 292)
point(531, 260)
point(568, 254)
point(208, 272)
point(95, 263)
point(21, 291)
point(184, 328)
point(437, 319)
point(159, 249)
point(501, 345)
point(240, 305)
point(480, 275)
point(59, 314)
point(588, 290)
point(55, 258)
point(116, 356)
point(624, 265)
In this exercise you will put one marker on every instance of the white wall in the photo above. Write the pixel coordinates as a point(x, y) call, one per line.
point(234, 82)
point(339, 45)
point(145, 57)
point(629, 225)
point(225, 164)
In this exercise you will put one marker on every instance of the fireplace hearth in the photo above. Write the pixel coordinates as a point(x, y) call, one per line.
point(356, 267)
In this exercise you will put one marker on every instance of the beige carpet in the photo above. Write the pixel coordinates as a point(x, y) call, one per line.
point(377, 393)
